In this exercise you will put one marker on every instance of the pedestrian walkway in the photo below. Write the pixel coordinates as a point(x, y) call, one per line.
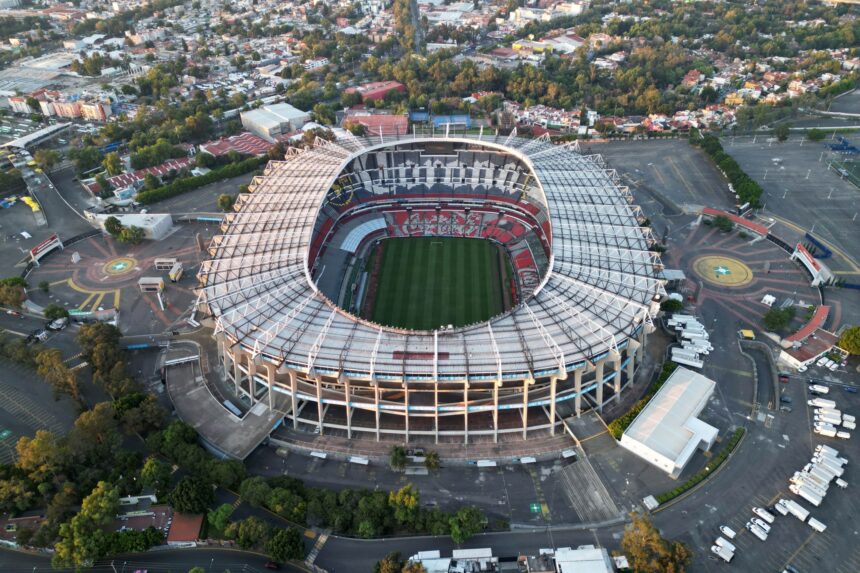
point(586, 492)
point(317, 547)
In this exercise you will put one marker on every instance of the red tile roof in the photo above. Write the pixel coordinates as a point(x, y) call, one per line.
point(378, 123)
point(126, 179)
point(754, 227)
point(816, 322)
point(245, 142)
point(185, 528)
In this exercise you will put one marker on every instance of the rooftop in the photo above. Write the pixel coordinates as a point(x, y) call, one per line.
point(668, 424)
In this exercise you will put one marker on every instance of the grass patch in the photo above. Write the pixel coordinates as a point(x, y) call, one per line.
point(704, 472)
point(428, 282)
point(617, 426)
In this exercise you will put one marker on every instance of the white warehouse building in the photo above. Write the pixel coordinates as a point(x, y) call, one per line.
point(667, 432)
point(271, 121)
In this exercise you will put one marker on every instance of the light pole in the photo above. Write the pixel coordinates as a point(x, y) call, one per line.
point(808, 171)
point(210, 564)
point(829, 195)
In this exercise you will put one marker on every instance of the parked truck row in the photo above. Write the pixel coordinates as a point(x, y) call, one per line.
point(693, 338)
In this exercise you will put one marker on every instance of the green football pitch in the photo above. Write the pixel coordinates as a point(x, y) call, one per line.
point(424, 283)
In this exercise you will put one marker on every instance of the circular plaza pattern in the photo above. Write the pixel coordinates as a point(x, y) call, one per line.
point(119, 266)
point(723, 271)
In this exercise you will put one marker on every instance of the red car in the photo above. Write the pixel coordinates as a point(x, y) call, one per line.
point(272, 565)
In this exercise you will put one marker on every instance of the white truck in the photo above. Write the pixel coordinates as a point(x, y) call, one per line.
point(816, 525)
point(724, 543)
point(822, 402)
point(816, 481)
point(806, 493)
point(828, 419)
point(826, 430)
point(848, 418)
point(830, 464)
point(727, 531)
point(827, 449)
point(795, 509)
point(723, 553)
point(757, 531)
point(692, 363)
point(819, 389)
point(842, 483)
point(843, 435)
point(849, 425)
point(764, 514)
point(782, 509)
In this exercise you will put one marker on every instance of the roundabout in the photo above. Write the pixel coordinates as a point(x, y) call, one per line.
point(119, 266)
point(723, 271)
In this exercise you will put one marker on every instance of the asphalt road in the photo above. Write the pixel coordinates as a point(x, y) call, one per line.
point(214, 560)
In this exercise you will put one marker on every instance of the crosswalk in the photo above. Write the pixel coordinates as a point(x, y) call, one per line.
point(323, 537)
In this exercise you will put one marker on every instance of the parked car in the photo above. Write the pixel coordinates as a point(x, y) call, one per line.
point(786, 409)
point(785, 399)
point(851, 389)
point(272, 565)
point(783, 378)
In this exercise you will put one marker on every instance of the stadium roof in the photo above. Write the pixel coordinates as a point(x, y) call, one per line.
point(599, 290)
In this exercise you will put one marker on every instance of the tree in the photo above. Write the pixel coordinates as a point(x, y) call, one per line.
point(405, 502)
point(53, 312)
point(432, 461)
point(225, 202)
point(85, 158)
point(11, 295)
point(850, 340)
point(40, 457)
point(413, 567)
point(104, 185)
point(131, 235)
point(815, 134)
point(51, 367)
point(145, 416)
point(782, 131)
point(150, 182)
point(286, 544)
point(113, 226)
point(46, 158)
point(397, 458)
point(155, 474)
point(323, 114)
point(94, 435)
point(671, 305)
point(723, 223)
point(219, 518)
point(465, 523)
point(391, 563)
point(82, 539)
point(255, 490)
point(112, 163)
point(251, 532)
point(776, 319)
point(648, 552)
point(191, 495)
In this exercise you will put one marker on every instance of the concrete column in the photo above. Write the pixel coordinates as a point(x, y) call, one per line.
point(598, 377)
point(406, 412)
point(496, 411)
point(347, 396)
point(640, 352)
point(237, 374)
point(617, 379)
point(319, 405)
point(270, 381)
point(376, 401)
point(631, 363)
point(577, 387)
point(525, 408)
point(294, 389)
point(552, 388)
point(436, 411)
point(466, 412)
point(252, 382)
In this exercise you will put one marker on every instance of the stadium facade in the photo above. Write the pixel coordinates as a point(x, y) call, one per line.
point(586, 286)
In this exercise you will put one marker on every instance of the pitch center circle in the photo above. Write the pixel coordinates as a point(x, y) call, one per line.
point(723, 271)
point(119, 266)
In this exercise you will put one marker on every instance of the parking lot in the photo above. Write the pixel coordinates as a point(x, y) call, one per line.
point(803, 193)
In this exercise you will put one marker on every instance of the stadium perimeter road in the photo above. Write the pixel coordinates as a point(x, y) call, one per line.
point(803, 194)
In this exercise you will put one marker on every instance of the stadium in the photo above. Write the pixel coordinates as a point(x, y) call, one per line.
point(431, 288)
